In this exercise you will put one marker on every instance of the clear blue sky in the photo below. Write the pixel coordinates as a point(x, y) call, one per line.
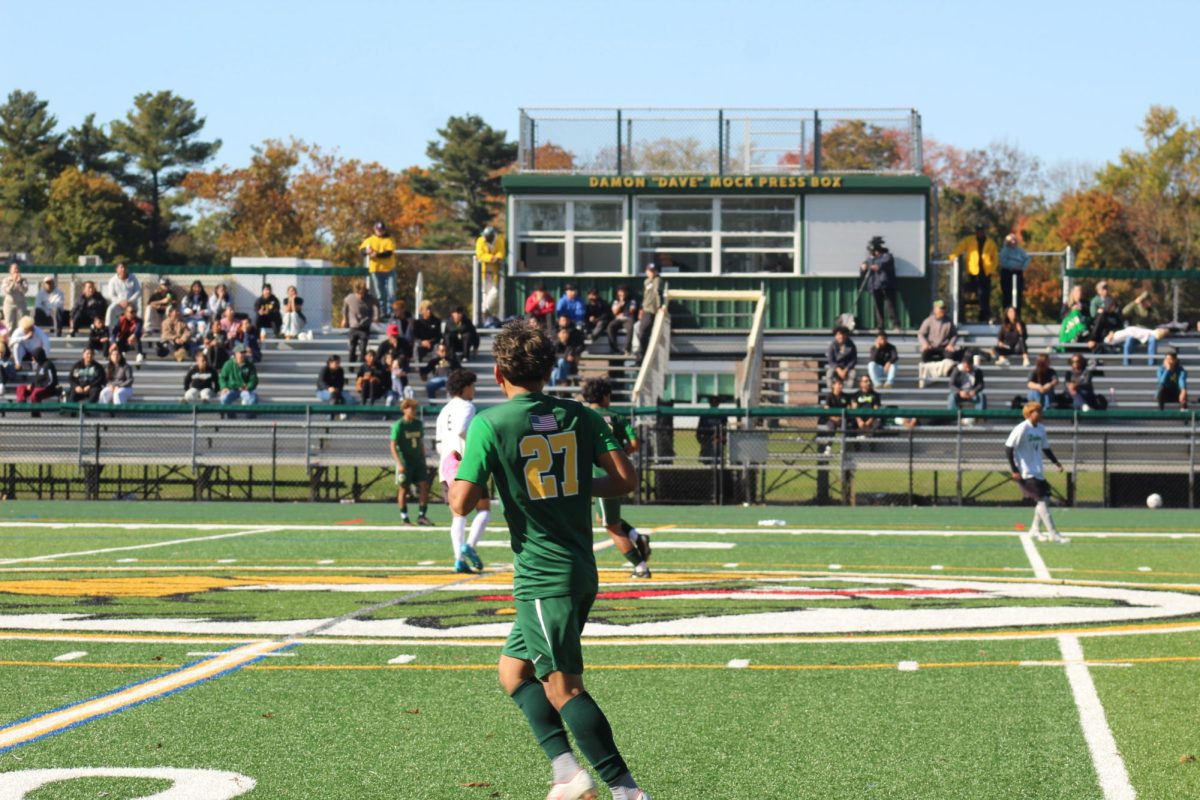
point(1062, 80)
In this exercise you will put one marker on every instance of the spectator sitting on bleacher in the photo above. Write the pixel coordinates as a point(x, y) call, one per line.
point(49, 308)
point(43, 384)
point(571, 305)
point(372, 382)
point(966, 387)
point(882, 366)
point(176, 337)
point(247, 335)
point(8, 364)
point(1074, 302)
point(160, 301)
point(14, 288)
point(1102, 294)
point(215, 350)
point(1139, 317)
point(1041, 382)
point(195, 310)
point(1011, 340)
point(539, 307)
point(267, 313)
point(359, 312)
point(90, 306)
point(937, 336)
point(122, 290)
point(427, 330)
point(218, 303)
point(229, 324)
point(461, 336)
point(841, 358)
point(402, 318)
point(394, 345)
point(866, 397)
point(27, 338)
point(293, 314)
point(86, 379)
point(127, 334)
point(1079, 385)
point(331, 383)
point(568, 346)
point(1106, 320)
point(836, 400)
point(1172, 383)
point(118, 379)
point(624, 314)
point(397, 369)
point(200, 382)
point(99, 336)
point(238, 379)
point(596, 315)
point(437, 371)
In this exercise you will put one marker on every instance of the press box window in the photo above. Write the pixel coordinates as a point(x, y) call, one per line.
point(570, 236)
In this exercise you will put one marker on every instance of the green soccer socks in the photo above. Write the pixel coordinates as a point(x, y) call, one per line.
point(594, 736)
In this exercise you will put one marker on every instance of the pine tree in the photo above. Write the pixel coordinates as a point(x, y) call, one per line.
point(464, 172)
point(31, 156)
point(159, 135)
point(92, 150)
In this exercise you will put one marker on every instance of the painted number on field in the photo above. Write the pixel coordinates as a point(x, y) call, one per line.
point(186, 784)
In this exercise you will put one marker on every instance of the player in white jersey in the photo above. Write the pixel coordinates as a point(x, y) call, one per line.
point(451, 431)
point(1024, 447)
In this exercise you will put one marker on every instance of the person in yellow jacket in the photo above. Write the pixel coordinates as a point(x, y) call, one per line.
point(982, 259)
point(489, 251)
point(380, 250)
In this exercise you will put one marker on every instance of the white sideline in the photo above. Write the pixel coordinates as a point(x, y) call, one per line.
point(147, 546)
point(1035, 558)
point(1110, 768)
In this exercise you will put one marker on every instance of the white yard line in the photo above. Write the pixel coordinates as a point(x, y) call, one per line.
point(148, 546)
point(1110, 768)
point(732, 530)
point(1040, 571)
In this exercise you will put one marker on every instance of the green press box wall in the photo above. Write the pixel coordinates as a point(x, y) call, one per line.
point(792, 303)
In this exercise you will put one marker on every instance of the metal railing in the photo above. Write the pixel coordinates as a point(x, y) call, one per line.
point(725, 455)
point(719, 141)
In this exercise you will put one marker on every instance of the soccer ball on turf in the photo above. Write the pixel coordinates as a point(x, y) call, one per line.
point(1154, 501)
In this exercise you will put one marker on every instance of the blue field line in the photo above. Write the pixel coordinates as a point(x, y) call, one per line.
point(176, 690)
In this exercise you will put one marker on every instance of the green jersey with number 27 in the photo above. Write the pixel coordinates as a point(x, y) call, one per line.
point(541, 451)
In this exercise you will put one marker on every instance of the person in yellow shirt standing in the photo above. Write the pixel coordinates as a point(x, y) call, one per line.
point(380, 251)
point(489, 251)
point(982, 259)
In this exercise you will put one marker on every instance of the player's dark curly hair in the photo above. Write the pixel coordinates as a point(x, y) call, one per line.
point(596, 389)
point(524, 354)
point(459, 379)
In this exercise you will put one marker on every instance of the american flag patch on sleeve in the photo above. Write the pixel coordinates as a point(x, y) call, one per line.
point(543, 423)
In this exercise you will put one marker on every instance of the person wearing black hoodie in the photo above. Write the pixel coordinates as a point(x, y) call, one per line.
point(44, 383)
point(331, 382)
point(87, 379)
point(200, 383)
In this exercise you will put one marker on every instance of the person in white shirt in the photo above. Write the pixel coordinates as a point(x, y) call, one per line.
point(48, 309)
point(1024, 448)
point(122, 289)
point(26, 339)
point(452, 423)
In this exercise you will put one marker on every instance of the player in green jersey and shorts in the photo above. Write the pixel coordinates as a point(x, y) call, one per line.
point(540, 451)
point(633, 544)
point(408, 451)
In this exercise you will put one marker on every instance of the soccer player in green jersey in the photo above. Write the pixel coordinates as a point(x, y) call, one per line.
point(633, 544)
point(540, 450)
point(408, 450)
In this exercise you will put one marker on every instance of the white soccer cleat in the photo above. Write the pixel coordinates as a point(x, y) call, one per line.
point(579, 787)
point(1058, 538)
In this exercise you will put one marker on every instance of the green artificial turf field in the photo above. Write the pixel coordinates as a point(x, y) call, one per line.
point(322, 651)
